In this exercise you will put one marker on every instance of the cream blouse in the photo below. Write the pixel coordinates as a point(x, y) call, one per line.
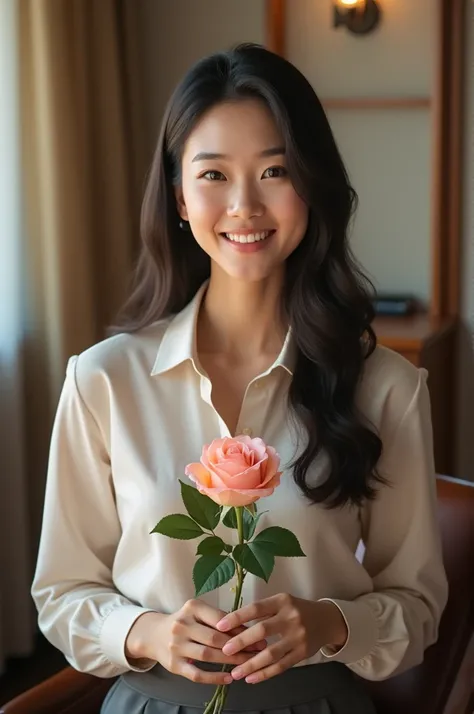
point(134, 410)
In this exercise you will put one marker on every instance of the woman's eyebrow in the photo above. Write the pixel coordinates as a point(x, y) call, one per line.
point(212, 156)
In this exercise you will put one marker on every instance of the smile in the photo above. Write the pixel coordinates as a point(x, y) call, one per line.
point(248, 238)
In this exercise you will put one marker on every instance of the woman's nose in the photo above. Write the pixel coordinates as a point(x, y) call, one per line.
point(245, 202)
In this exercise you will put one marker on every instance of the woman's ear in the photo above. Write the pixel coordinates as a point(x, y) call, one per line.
point(180, 204)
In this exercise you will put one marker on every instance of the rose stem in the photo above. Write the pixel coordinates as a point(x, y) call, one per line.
point(216, 705)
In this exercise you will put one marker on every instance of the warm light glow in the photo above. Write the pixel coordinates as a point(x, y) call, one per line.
point(349, 3)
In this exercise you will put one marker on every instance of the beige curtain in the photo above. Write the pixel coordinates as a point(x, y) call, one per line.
point(84, 164)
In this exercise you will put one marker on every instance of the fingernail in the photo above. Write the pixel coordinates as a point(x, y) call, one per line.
point(237, 673)
point(229, 648)
point(252, 678)
point(228, 679)
point(223, 625)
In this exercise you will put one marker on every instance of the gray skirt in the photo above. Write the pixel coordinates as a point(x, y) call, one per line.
point(328, 688)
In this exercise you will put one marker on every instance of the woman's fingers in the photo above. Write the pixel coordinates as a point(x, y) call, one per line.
point(252, 635)
point(204, 635)
point(195, 674)
point(204, 653)
point(273, 655)
point(254, 611)
point(257, 647)
point(208, 615)
point(203, 612)
point(289, 660)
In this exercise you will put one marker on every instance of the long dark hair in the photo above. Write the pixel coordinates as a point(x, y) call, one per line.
point(326, 297)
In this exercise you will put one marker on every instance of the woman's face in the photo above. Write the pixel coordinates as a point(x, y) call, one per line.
point(236, 194)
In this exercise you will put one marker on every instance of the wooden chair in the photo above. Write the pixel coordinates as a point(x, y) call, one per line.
point(443, 684)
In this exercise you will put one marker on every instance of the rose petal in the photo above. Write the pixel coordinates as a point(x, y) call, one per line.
point(271, 466)
point(250, 478)
point(203, 476)
point(244, 439)
point(241, 497)
point(235, 498)
point(233, 467)
point(257, 445)
point(198, 474)
point(216, 480)
point(209, 451)
point(214, 494)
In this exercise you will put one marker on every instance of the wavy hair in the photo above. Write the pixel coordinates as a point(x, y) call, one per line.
point(326, 297)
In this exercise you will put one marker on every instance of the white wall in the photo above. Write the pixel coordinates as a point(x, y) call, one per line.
point(387, 152)
point(465, 416)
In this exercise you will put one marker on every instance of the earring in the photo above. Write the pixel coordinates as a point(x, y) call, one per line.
point(184, 225)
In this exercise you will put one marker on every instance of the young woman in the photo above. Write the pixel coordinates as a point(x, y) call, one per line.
point(249, 316)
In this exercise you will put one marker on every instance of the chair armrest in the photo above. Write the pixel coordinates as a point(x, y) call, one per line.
point(68, 692)
point(427, 688)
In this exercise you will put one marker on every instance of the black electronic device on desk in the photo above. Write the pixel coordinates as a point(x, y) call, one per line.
point(394, 305)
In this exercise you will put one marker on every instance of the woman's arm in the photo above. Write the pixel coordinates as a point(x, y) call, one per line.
point(390, 628)
point(80, 611)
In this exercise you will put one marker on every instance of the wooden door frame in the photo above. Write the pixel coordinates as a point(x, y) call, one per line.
point(275, 25)
point(447, 182)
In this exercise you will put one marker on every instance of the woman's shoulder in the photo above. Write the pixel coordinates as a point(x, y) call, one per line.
point(389, 384)
point(115, 357)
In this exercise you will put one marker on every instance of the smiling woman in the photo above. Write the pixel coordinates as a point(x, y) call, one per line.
point(254, 320)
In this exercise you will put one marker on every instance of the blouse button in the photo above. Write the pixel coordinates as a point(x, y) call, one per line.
point(247, 431)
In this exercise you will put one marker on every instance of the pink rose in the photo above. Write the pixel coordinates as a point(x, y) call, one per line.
point(236, 472)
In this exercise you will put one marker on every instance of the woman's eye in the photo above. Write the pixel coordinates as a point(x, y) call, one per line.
point(275, 172)
point(213, 176)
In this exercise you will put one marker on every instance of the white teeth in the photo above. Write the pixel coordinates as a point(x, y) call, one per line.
point(250, 238)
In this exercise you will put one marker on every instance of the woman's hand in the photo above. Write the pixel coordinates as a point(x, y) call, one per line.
point(190, 634)
point(304, 627)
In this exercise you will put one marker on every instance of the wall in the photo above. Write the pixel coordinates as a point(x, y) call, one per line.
point(465, 420)
point(387, 152)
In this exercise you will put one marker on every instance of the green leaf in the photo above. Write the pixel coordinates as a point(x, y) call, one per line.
point(178, 526)
point(254, 524)
point(211, 572)
point(251, 508)
point(249, 521)
point(211, 546)
point(201, 508)
point(255, 560)
point(230, 519)
point(279, 541)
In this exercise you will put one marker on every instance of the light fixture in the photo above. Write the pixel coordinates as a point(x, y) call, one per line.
point(358, 16)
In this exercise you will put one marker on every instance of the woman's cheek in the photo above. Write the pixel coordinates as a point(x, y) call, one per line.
point(206, 204)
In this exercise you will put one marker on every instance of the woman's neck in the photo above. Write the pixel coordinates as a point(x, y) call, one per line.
point(241, 319)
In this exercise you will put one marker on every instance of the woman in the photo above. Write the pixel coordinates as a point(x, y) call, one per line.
point(249, 315)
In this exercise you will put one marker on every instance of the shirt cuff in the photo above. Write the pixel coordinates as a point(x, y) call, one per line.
point(362, 632)
point(113, 635)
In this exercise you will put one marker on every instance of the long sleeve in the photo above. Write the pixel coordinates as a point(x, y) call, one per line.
point(80, 611)
point(390, 627)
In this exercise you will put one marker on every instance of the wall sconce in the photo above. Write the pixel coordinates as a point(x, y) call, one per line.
point(358, 16)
